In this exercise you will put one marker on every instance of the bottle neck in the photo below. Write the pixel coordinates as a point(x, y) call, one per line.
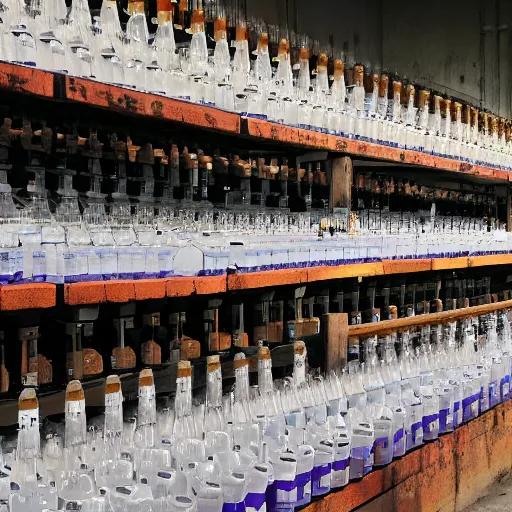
point(242, 384)
point(214, 389)
point(265, 376)
point(183, 400)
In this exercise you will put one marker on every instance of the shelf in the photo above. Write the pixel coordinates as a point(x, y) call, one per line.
point(97, 292)
point(43, 295)
point(15, 297)
point(22, 79)
point(134, 102)
point(275, 132)
point(447, 474)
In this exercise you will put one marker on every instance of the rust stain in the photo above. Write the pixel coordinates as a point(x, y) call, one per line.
point(211, 120)
point(157, 107)
point(131, 103)
point(402, 156)
point(15, 81)
point(274, 133)
point(72, 86)
point(341, 145)
point(83, 91)
point(465, 167)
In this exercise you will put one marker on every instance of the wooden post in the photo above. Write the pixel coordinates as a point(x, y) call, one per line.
point(341, 183)
point(509, 208)
point(335, 327)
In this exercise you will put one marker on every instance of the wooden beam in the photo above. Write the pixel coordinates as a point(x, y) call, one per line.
point(389, 326)
point(509, 208)
point(341, 183)
point(335, 327)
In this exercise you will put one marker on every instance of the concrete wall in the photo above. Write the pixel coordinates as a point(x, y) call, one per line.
point(461, 47)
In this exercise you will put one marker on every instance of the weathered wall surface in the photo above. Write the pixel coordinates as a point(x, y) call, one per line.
point(461, 47)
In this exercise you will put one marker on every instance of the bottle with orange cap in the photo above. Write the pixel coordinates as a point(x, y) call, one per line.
point(199, 69)
point(222, 65)
point(262, 67)
point(184, 424)
point(287, 112)
point(371, 86)
point(241, 67)
point(304, 84)
point(163, 51)
point(137, 51)
point(336, 99)
point(356, 99)
point(318, 115)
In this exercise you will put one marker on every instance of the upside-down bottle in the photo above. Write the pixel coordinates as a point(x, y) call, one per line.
point(30, 489)
point(145, 432)
point(79, 36)
point(137, 51)
point(184, 424)
point(199, 68)
point(163, 51)
point(284, 81)
point(213, 418)
point(222, 66)
point(241, 68)
point(304, 87)
point(318, 114)
point(262, 79)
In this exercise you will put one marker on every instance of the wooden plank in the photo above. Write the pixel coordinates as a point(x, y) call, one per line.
point(449, 263)
point(15, 297)
point(509, 208)
point(389, 326)
point(344, 271)
point(152, 105)
point(405, 266)
point(309, 138)
point(491, 259)
point(340, 190)
point(25, 79)
point(335, 328)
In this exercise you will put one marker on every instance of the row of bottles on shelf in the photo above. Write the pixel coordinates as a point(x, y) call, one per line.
point(157, 333)
point(354, 102)
point(76, 209)
point(268, 447)
point(397, 204)
point(116, 181)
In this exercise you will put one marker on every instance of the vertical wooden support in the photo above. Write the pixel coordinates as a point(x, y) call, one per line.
point(341, 183)
point(509, 208)
point(335, 326)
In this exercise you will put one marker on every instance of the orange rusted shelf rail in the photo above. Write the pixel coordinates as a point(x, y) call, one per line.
point(385, 267)
point(156, 106)
point(24, 79)
point(14, 297)
point(97, 292)
point(297, 136)
point(389, 326)
point(447, 474)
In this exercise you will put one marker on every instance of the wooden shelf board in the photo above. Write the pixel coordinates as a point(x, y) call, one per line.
point(15, 297)
point(297, 136)
point(135, 102)
point(98, 292)
point(24, 79)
